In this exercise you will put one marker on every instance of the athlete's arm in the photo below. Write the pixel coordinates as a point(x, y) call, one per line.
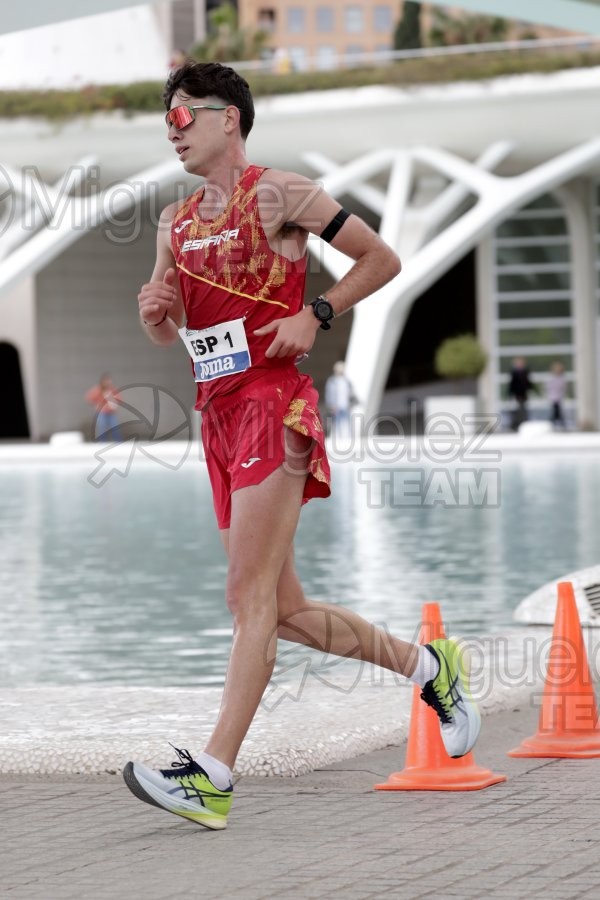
point(160, 305)
point(309, 207)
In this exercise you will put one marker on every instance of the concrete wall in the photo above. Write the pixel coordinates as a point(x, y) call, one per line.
point(121, 47)
point(88, 324)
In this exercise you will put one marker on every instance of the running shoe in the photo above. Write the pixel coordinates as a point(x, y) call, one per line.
point(185, 790)
point(450, 696)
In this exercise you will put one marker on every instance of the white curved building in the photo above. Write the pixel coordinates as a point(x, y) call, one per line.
point(504, 173)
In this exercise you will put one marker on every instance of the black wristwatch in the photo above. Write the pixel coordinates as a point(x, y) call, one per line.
point(323, 310)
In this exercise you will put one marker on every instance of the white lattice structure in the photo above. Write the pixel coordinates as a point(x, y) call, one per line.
point(430, 240)
point(50, 218)
point(429, 249)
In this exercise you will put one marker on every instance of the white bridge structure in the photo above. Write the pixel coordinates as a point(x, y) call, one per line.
point(507, 170)
point(430, 246)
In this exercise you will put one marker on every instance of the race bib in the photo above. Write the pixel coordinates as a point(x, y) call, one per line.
point(218, 351)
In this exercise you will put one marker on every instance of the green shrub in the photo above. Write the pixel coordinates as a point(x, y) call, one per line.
point(57, 105)
point(460, 357)
point(146, 96)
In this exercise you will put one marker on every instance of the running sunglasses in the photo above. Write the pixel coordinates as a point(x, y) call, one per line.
point(182, 116)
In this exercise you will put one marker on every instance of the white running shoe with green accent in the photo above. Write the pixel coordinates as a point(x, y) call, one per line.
point(449, 694)
point(184, 790)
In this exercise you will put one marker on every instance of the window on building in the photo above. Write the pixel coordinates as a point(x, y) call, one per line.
point(299, 59)
point(353, 19)
point(353, 52)
point(382, 18)
point(326, 57)
point(267, 19)
point(532, 292)
point(325, 21)
point(296, 20)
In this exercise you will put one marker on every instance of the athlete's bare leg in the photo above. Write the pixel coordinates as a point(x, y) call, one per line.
point(266, 599)
point(264, 518)
point(336, 630)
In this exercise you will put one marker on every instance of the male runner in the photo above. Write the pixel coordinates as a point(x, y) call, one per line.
point(229, 281)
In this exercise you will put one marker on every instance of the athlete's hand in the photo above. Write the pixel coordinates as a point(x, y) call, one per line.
point(156, 298)
point(294, 335)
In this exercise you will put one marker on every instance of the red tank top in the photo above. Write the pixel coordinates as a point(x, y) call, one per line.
point(228, 271)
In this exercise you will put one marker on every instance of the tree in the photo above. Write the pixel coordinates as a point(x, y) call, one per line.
point(448, 29)
point(226, 42)
point(407, 35)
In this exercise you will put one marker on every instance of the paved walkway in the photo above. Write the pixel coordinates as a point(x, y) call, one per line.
point(322, 835)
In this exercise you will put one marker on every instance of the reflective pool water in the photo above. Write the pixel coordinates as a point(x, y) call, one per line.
point(124, 583)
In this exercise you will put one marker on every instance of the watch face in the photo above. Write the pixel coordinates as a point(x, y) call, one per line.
point(323, 309)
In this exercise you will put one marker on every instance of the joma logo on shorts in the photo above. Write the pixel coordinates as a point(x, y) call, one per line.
point(215, 367)
point(212, 241)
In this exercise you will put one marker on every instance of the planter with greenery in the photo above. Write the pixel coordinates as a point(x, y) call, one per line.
point(459, 359)
point(57, 106)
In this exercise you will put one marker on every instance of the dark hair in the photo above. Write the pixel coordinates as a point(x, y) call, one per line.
point(213, 80)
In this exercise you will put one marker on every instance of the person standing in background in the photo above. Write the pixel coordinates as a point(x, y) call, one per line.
point(338, 399)
point(519, 386)
point(556, 388)
point(106, 398)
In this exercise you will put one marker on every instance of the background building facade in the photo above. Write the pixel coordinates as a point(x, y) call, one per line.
point(316, 34)
point(434, 169)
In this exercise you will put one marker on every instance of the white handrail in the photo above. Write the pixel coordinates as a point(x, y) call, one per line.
point(349, 60)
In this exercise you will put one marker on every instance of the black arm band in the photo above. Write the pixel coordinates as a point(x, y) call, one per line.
point(330, 231)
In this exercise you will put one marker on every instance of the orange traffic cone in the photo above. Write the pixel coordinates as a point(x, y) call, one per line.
point(428, 766)
point(568, 725)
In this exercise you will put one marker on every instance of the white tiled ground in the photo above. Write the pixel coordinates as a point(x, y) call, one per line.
point(301, 725)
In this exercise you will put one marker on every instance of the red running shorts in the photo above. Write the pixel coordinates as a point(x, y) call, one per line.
point(243, 437)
